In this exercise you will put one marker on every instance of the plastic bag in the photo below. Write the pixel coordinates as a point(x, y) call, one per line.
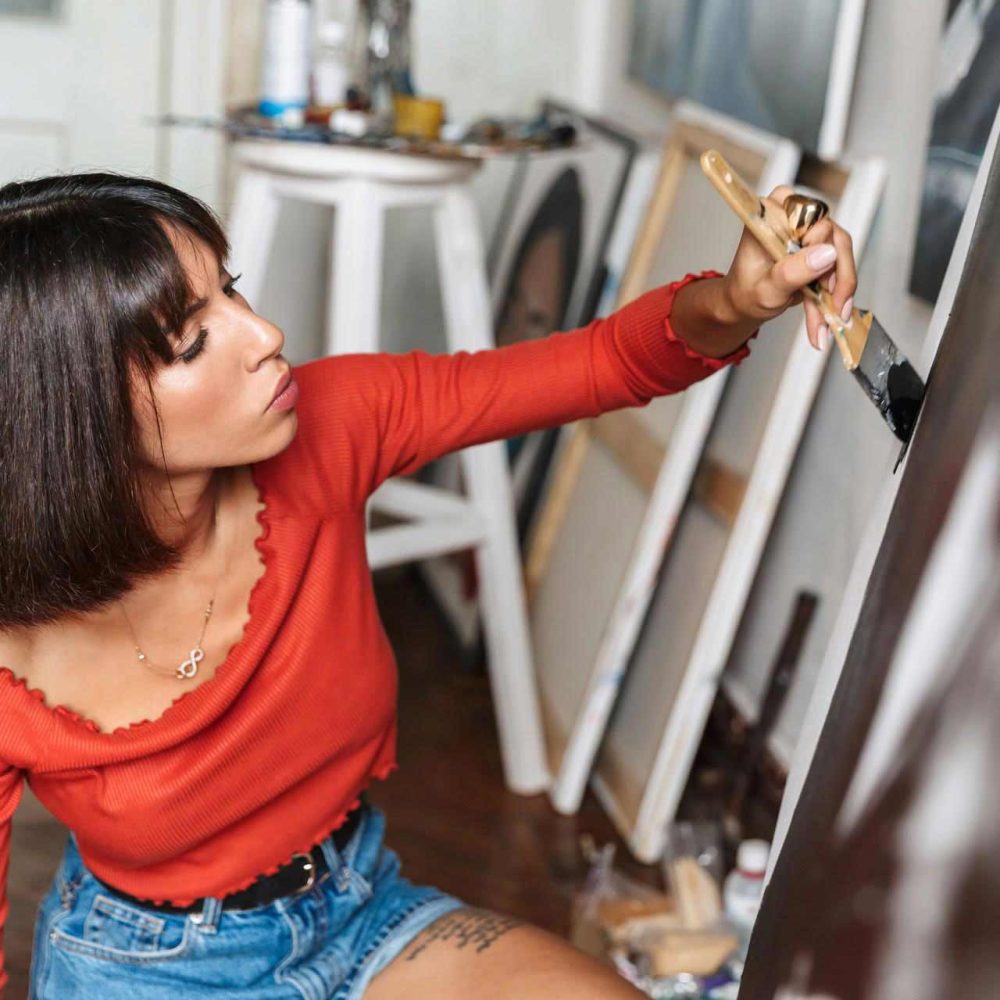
point(670, 944)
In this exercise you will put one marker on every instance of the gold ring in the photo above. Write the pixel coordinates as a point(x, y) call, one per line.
point(803, 213)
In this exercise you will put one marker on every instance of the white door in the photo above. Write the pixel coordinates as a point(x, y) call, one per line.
point(82, 80)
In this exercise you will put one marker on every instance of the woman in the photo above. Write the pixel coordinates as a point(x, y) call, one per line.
point(194, 677)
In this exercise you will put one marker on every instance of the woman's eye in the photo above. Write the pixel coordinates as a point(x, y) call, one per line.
point(196, 348)
point(229, 286)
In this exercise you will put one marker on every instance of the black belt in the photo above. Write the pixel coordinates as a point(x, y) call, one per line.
point(299, 875)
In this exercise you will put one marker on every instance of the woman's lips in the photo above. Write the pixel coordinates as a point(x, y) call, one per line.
point(287, 398)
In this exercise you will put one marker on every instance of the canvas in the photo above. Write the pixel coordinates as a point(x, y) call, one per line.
point(548, 269)
point(704, 582)
point(968, 94)
point(594, 570)
point(962, 389)
point(817, 696)
point(784, 65)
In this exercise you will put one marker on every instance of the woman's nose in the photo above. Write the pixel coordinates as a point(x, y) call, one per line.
point(269, 336)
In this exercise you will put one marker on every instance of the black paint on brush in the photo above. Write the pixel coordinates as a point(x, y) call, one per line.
point(890, 381)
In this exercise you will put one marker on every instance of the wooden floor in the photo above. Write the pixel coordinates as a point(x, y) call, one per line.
point(449, 816)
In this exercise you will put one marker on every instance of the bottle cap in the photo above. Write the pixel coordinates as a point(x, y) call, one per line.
point(751, 858)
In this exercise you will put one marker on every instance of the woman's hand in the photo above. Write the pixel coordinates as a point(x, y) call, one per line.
point(716, 317)
point(759, 289)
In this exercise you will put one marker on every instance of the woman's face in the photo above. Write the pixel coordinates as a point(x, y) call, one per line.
point(533, 309)
point(213, 399)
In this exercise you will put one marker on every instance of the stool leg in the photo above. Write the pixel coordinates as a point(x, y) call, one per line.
point(487, 475)
point(354, 308)
point(251, 230)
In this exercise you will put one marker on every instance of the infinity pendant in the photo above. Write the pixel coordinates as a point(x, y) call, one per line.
point(190, 666)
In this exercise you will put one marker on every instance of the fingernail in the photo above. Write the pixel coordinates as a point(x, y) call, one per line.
point(845, 313)
point(823, 336)
point(822, 256)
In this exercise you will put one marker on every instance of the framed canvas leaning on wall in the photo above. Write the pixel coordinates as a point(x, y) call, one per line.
point(619, 487)
point(707, 576)
point(550, 264)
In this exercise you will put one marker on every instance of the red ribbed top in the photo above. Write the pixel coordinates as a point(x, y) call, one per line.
point(270, 754)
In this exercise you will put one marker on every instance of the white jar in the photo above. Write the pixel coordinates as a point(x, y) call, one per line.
point(744, 888)
point(331, 72)
point(286, 59)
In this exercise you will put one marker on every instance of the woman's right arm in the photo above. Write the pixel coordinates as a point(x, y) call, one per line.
point(365, 417)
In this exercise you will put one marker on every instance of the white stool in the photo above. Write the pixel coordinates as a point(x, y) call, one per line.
point(361, 185)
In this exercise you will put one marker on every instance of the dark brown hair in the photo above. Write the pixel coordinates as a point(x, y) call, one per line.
point(91, 289)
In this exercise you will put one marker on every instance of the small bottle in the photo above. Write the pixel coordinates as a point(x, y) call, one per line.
point(331, 71)
point(744, 888)
point(286, 60)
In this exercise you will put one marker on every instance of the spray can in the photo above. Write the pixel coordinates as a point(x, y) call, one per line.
point(286, 65)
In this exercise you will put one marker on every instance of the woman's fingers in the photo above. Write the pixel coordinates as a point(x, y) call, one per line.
point(820, 232)
point(816, 329)
point(827, 255)
point(843, 280)
point(802, 267)
point(846, 271)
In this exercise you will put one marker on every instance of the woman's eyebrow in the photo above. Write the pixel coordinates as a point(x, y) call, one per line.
point(192, 308)
point(197, 304)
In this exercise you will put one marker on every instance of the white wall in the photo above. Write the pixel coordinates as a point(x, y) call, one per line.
point(493, 57)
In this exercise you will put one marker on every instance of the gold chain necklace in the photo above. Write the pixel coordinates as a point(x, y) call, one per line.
point(188, 668)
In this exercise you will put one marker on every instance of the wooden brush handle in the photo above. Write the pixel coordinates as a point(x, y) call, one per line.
point(769, 226)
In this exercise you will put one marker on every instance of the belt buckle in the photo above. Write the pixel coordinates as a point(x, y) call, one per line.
point(309, 865)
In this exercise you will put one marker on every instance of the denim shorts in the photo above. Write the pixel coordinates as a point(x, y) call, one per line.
point(327, 942)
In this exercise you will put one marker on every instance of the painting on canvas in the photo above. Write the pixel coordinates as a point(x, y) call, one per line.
point(31, 8)
point(786, 66)
point(549, 267)
point(968, 94)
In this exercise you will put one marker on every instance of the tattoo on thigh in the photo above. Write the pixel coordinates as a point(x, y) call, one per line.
point(468, 926)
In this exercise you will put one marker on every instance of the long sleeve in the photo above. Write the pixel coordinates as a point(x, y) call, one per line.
point(11, 788)
point(372, 416)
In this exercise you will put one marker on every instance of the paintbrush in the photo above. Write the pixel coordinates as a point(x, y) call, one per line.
point(881, 370)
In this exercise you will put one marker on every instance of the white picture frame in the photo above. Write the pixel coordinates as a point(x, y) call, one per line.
point(700, 674)
point(583, 631)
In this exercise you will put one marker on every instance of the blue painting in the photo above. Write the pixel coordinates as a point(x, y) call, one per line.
point(31, 8)
point(767, 62)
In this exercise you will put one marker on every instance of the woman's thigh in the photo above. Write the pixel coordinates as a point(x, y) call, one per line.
point(473, 952)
